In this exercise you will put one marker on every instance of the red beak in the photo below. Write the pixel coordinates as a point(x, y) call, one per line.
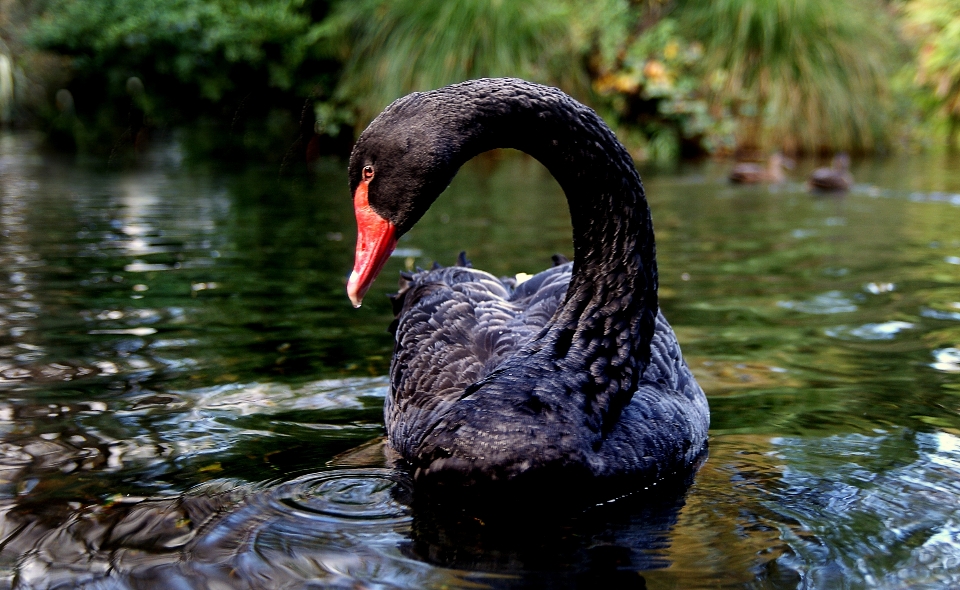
point(376, 239)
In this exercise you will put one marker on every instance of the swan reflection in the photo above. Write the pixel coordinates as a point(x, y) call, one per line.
point(340, 527)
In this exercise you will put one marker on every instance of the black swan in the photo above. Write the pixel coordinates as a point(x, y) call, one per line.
point(836, 178)
point(574, 372)
point(752, 173)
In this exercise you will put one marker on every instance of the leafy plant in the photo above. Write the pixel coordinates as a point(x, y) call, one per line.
point(654, 82)
point(937, 24)
point(136, 64)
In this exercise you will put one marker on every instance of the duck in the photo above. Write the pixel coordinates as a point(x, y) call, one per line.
point(835, 178)
point(752, 173)
point(573, 375)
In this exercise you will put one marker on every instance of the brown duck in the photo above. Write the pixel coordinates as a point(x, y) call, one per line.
point(752, 173)
point(836, 178)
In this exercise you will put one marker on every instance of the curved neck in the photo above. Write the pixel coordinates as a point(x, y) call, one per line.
point(602, 331)
point(615, 272)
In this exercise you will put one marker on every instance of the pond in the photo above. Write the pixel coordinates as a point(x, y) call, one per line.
point(188, 400)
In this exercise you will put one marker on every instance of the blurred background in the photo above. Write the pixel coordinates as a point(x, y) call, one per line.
point(289, 80)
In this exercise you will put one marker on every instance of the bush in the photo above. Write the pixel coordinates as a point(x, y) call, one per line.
point(242, 68)
point(936, 25)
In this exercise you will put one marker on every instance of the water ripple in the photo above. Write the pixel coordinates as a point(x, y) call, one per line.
point(258, 398)
point(937, 314)
point(825, 303)
point(881, 331)
point(906, 505)
point(351, 495)
point(947, 359)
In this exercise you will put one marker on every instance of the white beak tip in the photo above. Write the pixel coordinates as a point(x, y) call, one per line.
point(353, 291)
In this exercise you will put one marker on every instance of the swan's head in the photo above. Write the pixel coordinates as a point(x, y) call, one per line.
point(398, 167)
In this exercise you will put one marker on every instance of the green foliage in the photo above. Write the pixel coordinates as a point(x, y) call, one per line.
point(172, 61)
point(800, 75)
point(188, 39)
point(654, 82)
point(749, 74)
point(393, 47)
point(674, 78)
point(936, 23)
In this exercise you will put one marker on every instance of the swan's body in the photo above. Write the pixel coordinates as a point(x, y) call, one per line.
point(574, 372)
point(836, 178)
point(752, 173)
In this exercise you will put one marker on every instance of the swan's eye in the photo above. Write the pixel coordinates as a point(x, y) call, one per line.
point(367, 172)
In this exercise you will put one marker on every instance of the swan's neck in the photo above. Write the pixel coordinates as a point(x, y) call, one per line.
point(604, 327)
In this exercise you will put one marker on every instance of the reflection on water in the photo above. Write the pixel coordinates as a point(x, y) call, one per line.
point(882, 331)
point(782, 512)
point(948, 359)
point(187, 399)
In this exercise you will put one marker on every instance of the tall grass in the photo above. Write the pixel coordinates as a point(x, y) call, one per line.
point(800, 75)
point(393, 47)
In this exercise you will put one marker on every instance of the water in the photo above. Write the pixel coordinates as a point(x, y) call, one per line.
point(187, 399)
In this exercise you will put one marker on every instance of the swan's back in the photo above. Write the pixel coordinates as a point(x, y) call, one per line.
point(454, 326)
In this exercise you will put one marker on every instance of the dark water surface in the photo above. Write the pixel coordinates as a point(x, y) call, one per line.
point(187, 399)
